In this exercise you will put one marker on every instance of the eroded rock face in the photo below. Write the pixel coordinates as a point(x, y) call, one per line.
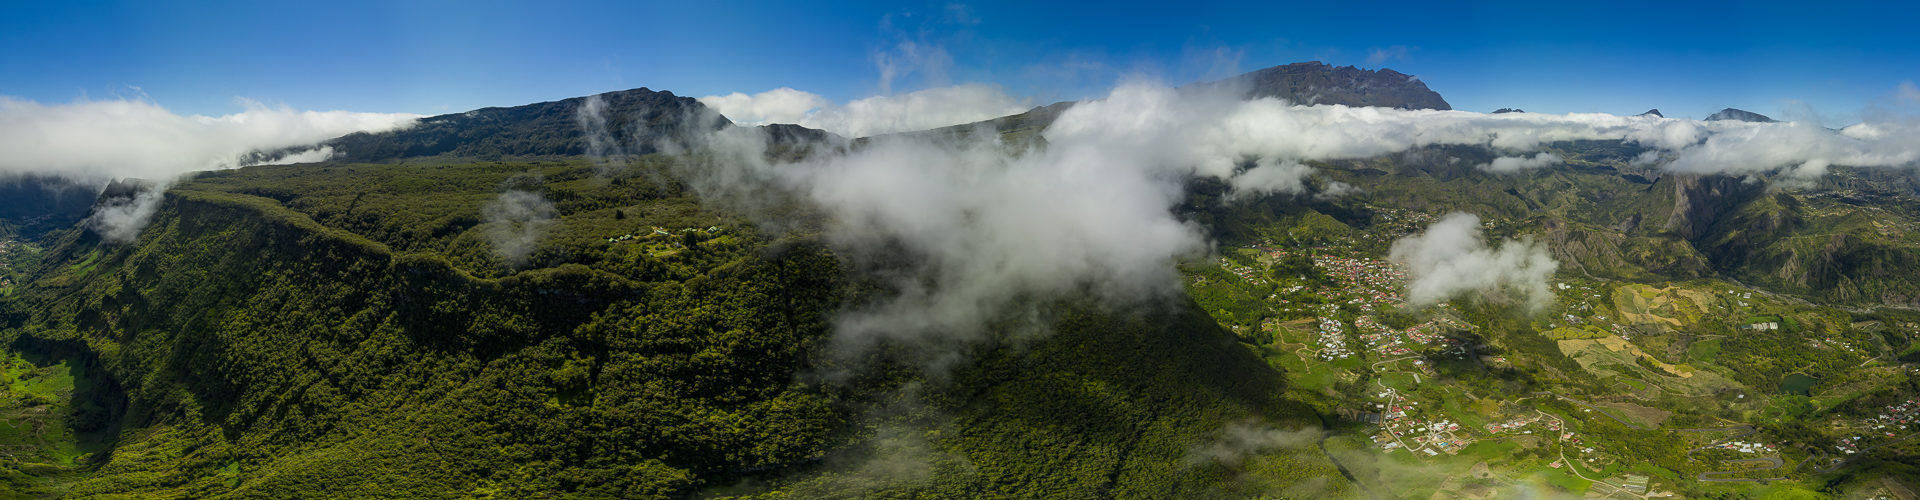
point(640, 116)
point(1700, 201)
point(1319, 83)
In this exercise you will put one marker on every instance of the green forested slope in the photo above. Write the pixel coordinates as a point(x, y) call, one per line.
point(344, 331)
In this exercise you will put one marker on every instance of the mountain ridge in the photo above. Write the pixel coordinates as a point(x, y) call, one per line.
point(1733, 114)
point(1314, 82)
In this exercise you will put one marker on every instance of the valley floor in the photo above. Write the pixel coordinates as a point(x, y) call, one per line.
point(1617, 389)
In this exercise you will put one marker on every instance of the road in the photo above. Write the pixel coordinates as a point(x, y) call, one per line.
point(1748, 430)
point(1391, 392)
point(1612, 489)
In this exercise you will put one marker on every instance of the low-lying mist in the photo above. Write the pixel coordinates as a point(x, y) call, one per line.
point(1090, 208)
point(93, 142)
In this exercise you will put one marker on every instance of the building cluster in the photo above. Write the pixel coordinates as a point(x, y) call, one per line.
point(1333, 340)
point(1515, 425)
point(1403, 220)
point(1900, 414)
point(1396, 407)
point(1372, 282)
point(1747, 447)
point(1431, 437)
point(1439, 437)
point(1554, 427)
point(1828, 342)
point(1848, 445)
point(1386, 341)
point(1246, 273)
point(1893, 422)
point(657, 232)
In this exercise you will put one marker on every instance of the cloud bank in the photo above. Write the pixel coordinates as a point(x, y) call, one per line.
point(989, 226)
point(919, 110)
point(1452, 257)
point(1510, 164)
point(137, 138)
point(120, 219)
point(1242, 440)
point(91, 142)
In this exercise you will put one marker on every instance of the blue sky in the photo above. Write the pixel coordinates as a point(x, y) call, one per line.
point(437, 57)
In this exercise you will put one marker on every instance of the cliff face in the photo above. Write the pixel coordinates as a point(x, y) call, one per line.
point(1305, 83)
point(638, 116)
point(1319, 83)
point(1700, 201)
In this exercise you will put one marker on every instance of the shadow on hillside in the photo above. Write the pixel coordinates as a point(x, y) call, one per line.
point(95, 408)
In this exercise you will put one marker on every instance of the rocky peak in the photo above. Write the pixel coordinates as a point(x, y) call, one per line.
point(1320, 83)
point(1740, 115)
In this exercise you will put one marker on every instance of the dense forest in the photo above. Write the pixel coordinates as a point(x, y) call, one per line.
point(349, 330)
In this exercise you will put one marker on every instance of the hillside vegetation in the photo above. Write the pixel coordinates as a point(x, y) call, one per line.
point(348, 330)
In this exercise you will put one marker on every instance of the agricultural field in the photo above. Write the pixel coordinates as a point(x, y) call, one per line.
point(1692, 387)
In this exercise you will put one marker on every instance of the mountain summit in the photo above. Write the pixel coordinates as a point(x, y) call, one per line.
point(1319, 83)
point(1740, 115)
point(551, 128)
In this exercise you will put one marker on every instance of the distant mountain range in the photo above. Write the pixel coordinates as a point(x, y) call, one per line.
point(554, 129)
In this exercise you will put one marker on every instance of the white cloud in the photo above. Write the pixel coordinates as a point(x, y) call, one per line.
point(1239, 441)
point(1510, 164)
point(120, 219)
point(516, 221)
point(1224, 130)
point(95, 140)
point(1909, 92)
point(1452, 257)
point(1336, 189)
point(1801, 150)
point(781, 105)
point(309, 156)
point(919, 110)
point(988, 227)
point(1271, 176)
point(91, 142)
